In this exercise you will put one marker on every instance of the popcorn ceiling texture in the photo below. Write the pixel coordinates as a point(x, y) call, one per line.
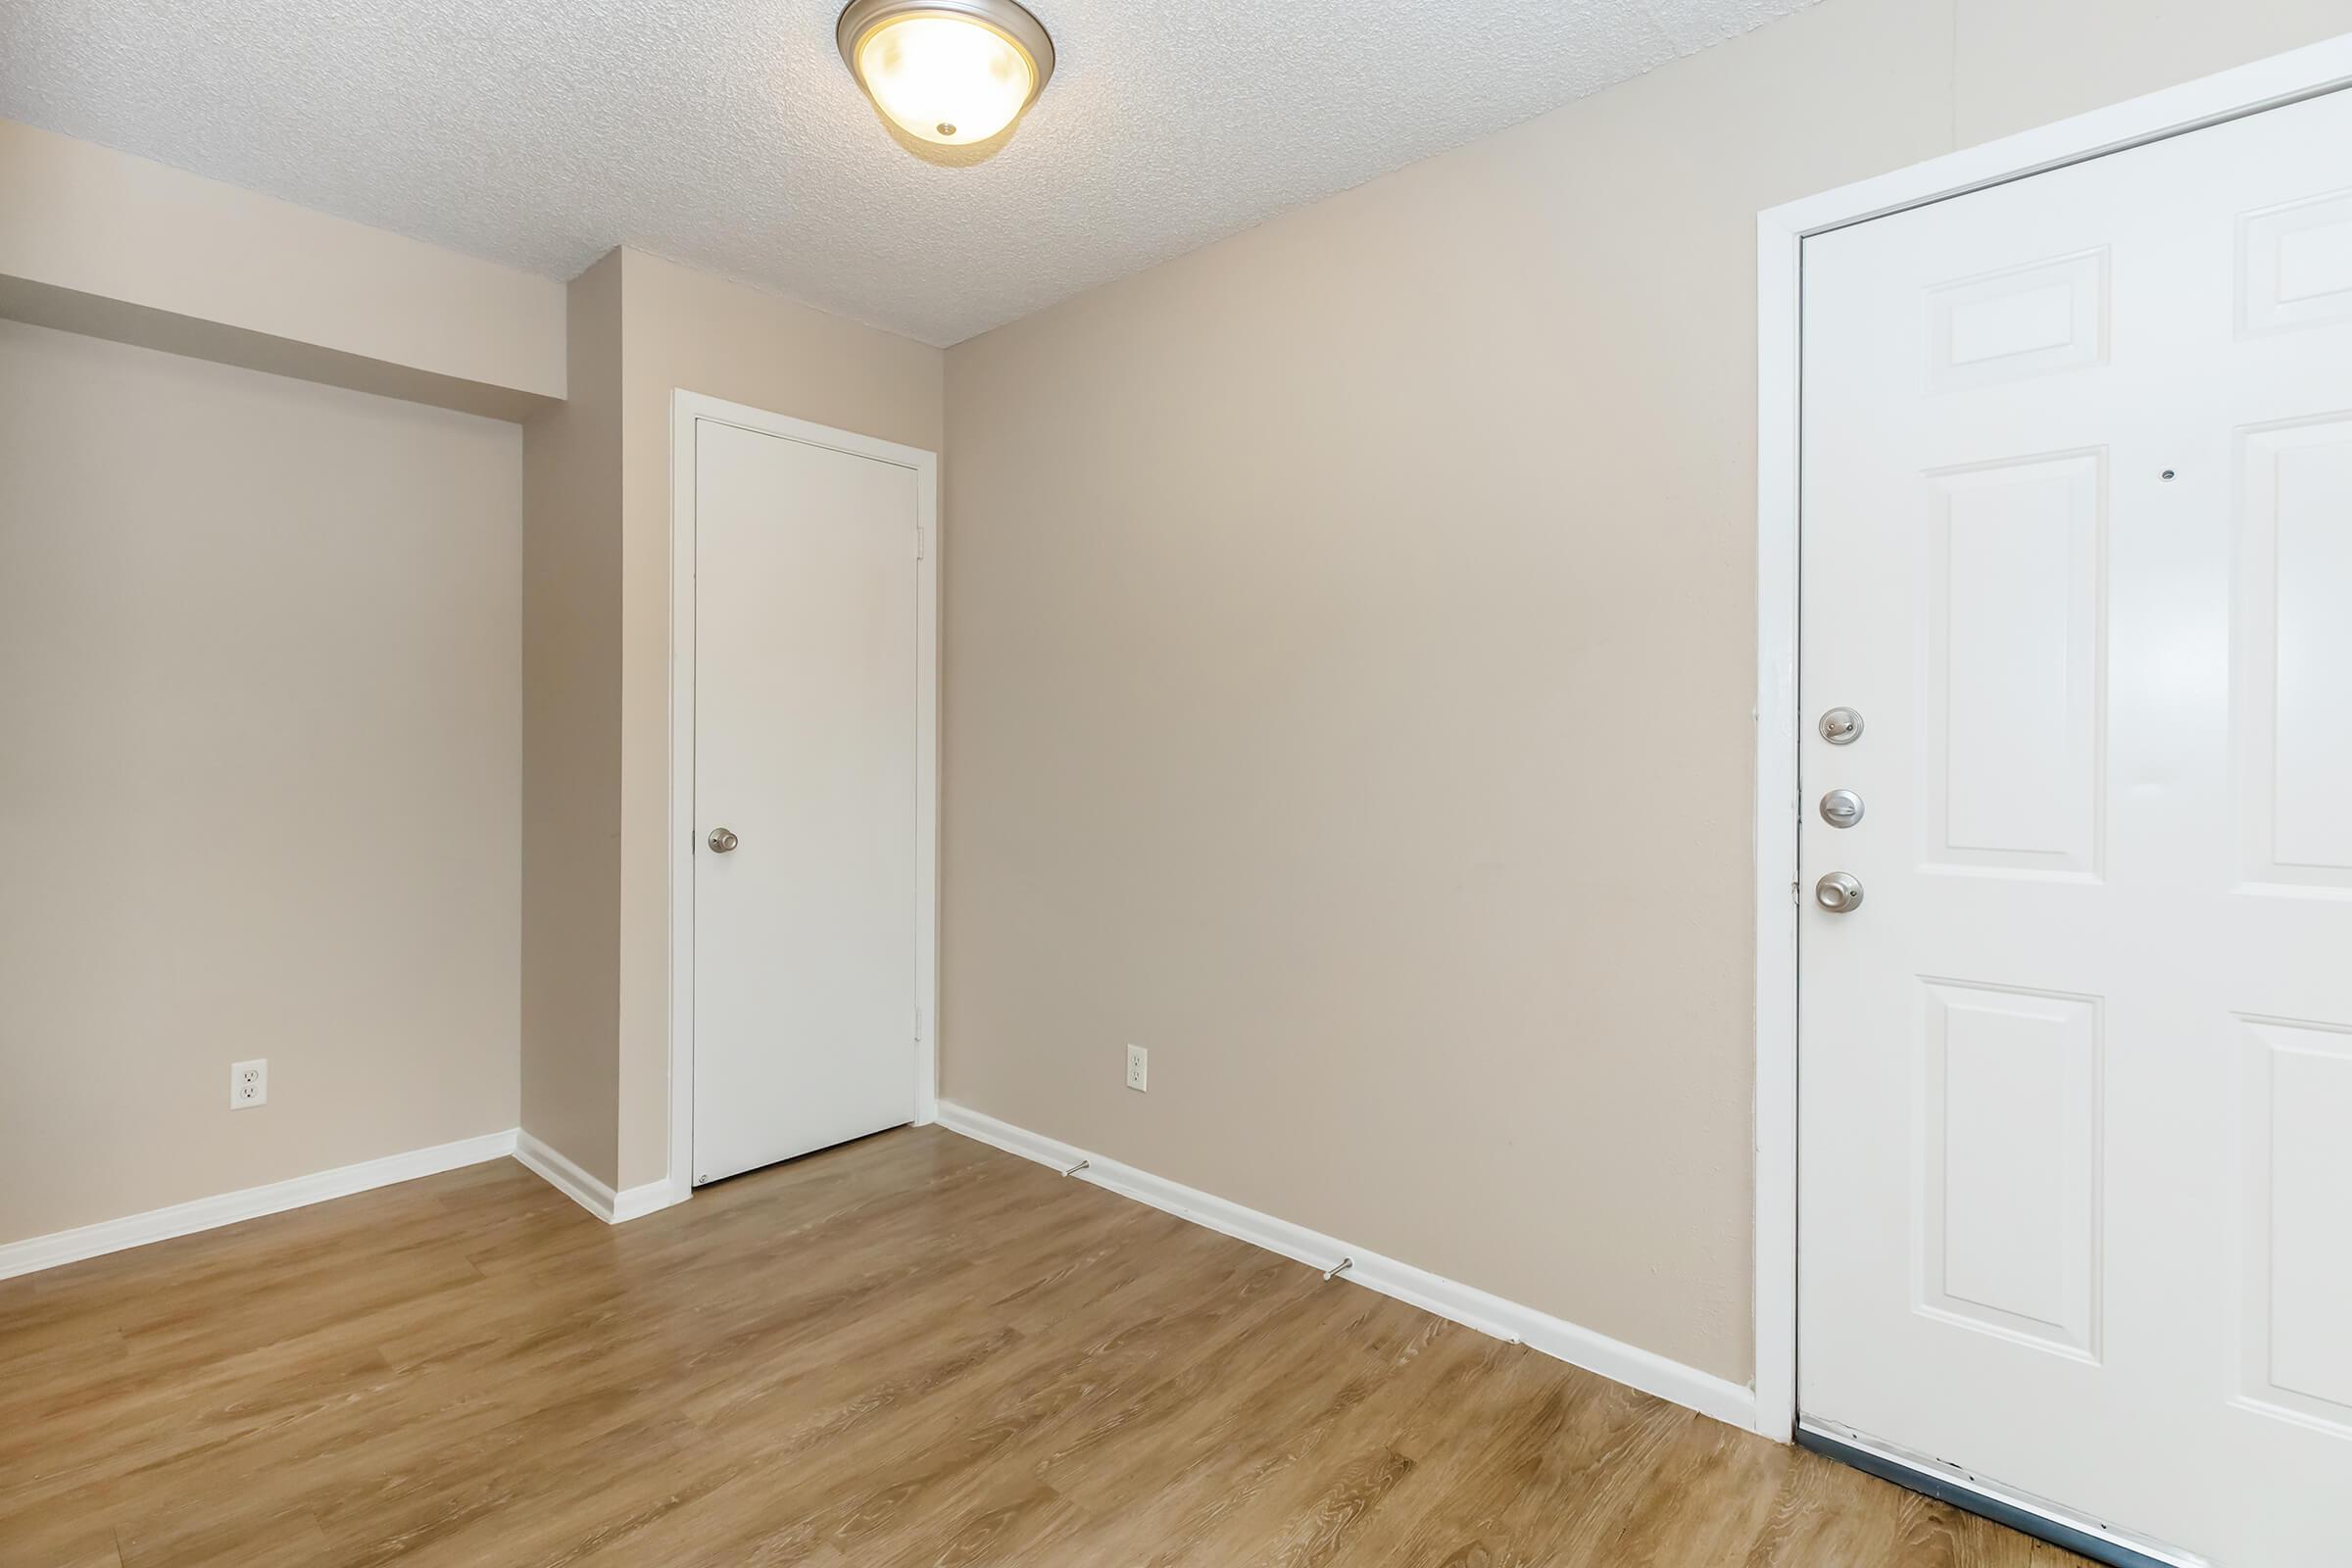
point(727, 134)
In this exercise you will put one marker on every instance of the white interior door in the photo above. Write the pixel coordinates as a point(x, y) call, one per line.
point(2076, 1074)
point(805, 705)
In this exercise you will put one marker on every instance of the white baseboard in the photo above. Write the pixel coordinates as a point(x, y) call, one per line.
point(613, 1208)
point(251, 1203)
point(1686, 1386)
point(635, 1203)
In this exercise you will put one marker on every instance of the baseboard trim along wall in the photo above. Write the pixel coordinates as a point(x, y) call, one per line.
point(37, 1252)
point(251, 1202)
point(613, 1207)
point(1466, 1304)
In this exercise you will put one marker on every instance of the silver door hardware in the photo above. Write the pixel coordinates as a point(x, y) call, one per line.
point(1842, 726)
point(1841, 808)
point(721, 840)
point(1837, 892)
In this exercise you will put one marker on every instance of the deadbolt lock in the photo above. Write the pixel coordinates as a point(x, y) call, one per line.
point(1841, 808)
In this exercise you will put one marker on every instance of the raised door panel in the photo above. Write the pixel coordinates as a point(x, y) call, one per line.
point(2036, 320)
point(2294, 266)
point(2012, 681)
point(2009, 1163)
point(2297, 1243)
point(2295, 618)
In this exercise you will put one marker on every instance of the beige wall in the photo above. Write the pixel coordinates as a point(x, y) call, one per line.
point(259, 784)
point(98, 241)
point(572, 744)
point(1350, 638)
point(2019, 64)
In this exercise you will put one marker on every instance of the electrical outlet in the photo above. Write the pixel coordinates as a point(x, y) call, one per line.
point(1139, 1068)
point(248, 1084)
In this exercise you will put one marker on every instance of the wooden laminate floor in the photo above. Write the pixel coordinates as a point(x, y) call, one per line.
point(910, 1350)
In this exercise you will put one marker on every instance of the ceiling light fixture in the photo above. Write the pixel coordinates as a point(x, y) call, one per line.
point(951, 71)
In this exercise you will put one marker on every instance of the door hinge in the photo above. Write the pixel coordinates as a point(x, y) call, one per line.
point(918, 1022)
point(919, 541)
point(1796, 893)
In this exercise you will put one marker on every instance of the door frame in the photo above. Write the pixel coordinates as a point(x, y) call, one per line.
point(687, 408)
point(1781, 233)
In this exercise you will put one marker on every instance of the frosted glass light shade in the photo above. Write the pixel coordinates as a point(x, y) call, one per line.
point(953, 72)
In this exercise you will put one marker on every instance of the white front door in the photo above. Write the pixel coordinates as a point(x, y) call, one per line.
point(2075, 1073)
point(805, 722)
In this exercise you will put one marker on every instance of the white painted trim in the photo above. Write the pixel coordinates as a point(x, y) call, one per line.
point(1466, 1304)
point(251, 1202)
point(685, 408)
point(1781, 233)
point(1779, 813)
point(552, 1166)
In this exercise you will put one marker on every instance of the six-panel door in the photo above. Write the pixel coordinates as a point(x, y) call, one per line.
point(2075, 1077)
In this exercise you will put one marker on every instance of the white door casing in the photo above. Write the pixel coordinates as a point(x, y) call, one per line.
point(2075, 1183)
point(805, 724)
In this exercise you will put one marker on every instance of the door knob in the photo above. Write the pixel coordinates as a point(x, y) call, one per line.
point(721, 841)
point(1841, 808)
point(1837, 892)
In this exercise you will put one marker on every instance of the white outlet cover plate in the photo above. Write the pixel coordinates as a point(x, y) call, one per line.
point(1139, 1068)
point(240, 1096)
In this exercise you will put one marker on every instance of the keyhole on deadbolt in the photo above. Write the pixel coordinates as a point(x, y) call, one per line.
point(2165, 476)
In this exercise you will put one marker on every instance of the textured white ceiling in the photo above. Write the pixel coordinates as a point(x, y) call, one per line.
point(726, 134)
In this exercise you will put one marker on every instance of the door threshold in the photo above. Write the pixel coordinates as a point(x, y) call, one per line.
point(2043, 1521)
